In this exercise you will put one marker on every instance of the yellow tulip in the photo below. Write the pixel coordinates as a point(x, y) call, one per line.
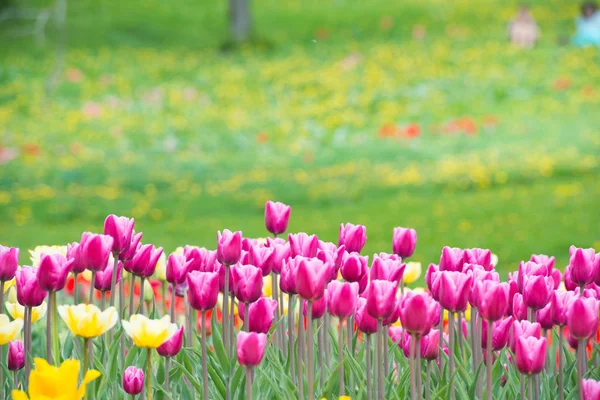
point(47, 382)
point(87, 320)
point(9, 330)
point(160, 272)
point(267, 286)
point(149, 333)
point(412, 272)
point(9, 284)
point(17, 311)
point(37, 252)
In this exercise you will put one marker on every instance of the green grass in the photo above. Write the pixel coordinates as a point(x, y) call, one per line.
point(151, 120)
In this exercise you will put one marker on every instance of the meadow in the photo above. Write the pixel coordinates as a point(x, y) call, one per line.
point(416, 114)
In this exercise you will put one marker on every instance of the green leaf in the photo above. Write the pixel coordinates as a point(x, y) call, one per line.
point(218, 346)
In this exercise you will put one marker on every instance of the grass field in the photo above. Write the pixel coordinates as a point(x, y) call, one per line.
point(413, 113)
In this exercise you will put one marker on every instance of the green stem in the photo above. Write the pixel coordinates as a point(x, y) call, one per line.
point(488, 356)
point(452, 333)
point(49, 330)
point(27, 346)
point(149, 373)
point(173, 305)
point(249, 383)
point(113, 282)
point(428, 380)
point(380, 386)
point(167, 370)
point(204, 356)
point(299, 358)
point(411, 360)
point(2, 359)
point(311, 350)
point(418, 366)
point(75, 289)
point(86, 358)
point(340, 356)
point(225, 312)
point(561, 394)
point(290, 316)
point(131, 295)
point(55, 337)
point(368, 355)
point(247, 319)
point(91, 299)
point(141, 295)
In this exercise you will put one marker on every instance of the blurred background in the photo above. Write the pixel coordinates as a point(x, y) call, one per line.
point(476, 122)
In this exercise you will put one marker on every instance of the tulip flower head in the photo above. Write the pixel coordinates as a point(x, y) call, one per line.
point(247, 282)
point(353, 237)
point(354, 267)
point(16, 355)
point(530, 354)
point(404, 241)
point(133, 380)
point(17, 311)
point(287, 280)
point(281, 252)
point(52, 272)
point(381, 298)
point(454, 290)
point(482, 257)
point(581, 265)
point(342, 298)
point(500, 333)
point(144, 261)
point(134, 246)
point(250, 348)
point(87, 320)
point(94, 250)
point(582, 318)
point(29, 293)
point(121, 230)
point(261, 314)
point(74, 253)
point(493, 299)
point(203, 291)
point(229, 247)
point(590, 389)
point(519, 309)
point(417, 311)
point(149, 333)
point(177, 268)
point(9, 330)
point(544, 316)
point(364, 322)
point(104, 278)
point(527, 269)
point(301, 244)
point(172, 346)
point(386, 269)
point(561, 302)
point(311, 278)
point(261, 257)
point(537, 291)
point(319, 307)
point(9, 262)
point(277, 216)
point(525, 329)
point(452, 259)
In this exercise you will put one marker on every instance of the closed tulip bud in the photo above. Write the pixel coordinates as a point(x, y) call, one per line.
point(432, 278)
point(386, 269)
point(261, 257)
point(250, 348)
point(144, 261)
point(364, 322)
point(319, 307)
point(277, 216)
point(404, 241)
point(530, 355)
point(590, 389)
point(304, 245)
point(500, 333)
point(229, 247)
point(9, 262)
point(247, 282)
point(133, 248)
point(311, 278)
point(121, 230)
point(455, 288)
point(381, 298)
point(524, 329)
point(544, 316)
point(416, 312)
point(177, 268)
point(203, 290)
point(581, 265)
point(393, 317)
point(281, 252)
point(537, 291)
point(354, 267)
point(133, 380)
point(104, 278)
point(482, 257)
point(53, 271)
point(543, 259)
point(261, 314)
point(329, 252)
point(247, 243)
point(452, 259)
point(519, 309)
point(200, 259)
point(16, 355)
point(430, 345)
point(561, 302)
point(528, 269)
point(287, 280)
point(29, 293)
point(353, 237)
point(342, 298)
point(95, 250)
point(173, 345)
point(569, 284)
point(582, 317)
point(74, 253)
point(493, 299)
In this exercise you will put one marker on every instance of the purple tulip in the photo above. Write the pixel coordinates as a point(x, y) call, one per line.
point(432, 278)
point(561, 302)
point(277, 216)
point(229, 247)
point(250, 348)
point(364, 322)
point(16, 355)
point(287, 279)
point(500, 333)
point(452, 259)
point(417, 313)
point(537, 291)
point(9, 262)
point(454, 290)
point(342, 298)
point(133, 248)
point(261, 257)
point(281, 252)
point(247, 282)
point(311, 278)
point(171, 347)
point(387, 269)
point(544, 316)
point(133, 380)
point(527, 269)
point(530, 355)
point(203, 290)
point(353, 237)
point(429, 344)
point(95, 250)
point(582, 318)
point(590, 389)
point(29, 293)
point(261, 314)
point(200, 259)
point(393, 317)
point(519, 309)
point(177, 268)
point(404, 241)
point(303, 245)
point(104, 278)
point(53, 271)
point(354, 267)
point(381, 298)
point(581, 265)
point(319, 307)
point(121, 230)
point(478, 256)
point(543, 259)
point(524, 329)
point(144, 262)
point(493, 299)
point(74, 253)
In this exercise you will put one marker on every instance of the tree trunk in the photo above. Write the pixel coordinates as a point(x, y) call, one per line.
point(240, 20)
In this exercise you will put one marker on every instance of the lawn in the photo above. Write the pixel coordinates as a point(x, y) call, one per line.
point(415, 113)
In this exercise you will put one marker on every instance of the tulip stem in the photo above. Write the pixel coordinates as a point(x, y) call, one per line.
point(204, 355)
point(55, 337)
point(561, 394)
point(247, 319)
point(113, 282)
point(92, 282)
point(280, 307)
point(149, 373)
point(311, 349)
point(349, 336)
point(441, 345)
point(15, 379)
point(386, 351)
point(488, 360)
point(290, 316)
point(320, 344)
point(249, 383)
point(27, 346)
point(460, 337)
point(452, 334)
point(275, 296)
point(142, 286)
point(530, 387)
point(190, 318)
point(2, 358)
point(75, 289)
point(299, 359)
point(121, 317)
point(131, 294)
point(225, 312)
point(411, 360)
point(49, 330)
point(232, 337)
point(428, 381)
point(381, 389)
point(86, 359)
point(167, 370)
point(522, 384)
point(579, 365)
point(368, 355)
point(472, 335)
point(103, 301)
point(418, 366)
point(173, 304)
point(340, 355)
point(327, 323)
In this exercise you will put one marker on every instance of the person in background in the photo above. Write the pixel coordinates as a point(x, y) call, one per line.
point(523, 30)
point(588, 26)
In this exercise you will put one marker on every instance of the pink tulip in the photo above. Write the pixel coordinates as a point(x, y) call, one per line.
point(574, 342)
point(133, 380)
point(173, 345)
point(287, 279)
point(250, 348)
point(144, 262)
point(229, 247)
point(353, 237)
point(527, 269)
point(581, 265)
point(416, 312)
point(354, 267)
point(177, 268)
point(590, 389)
point(277, 216)
point(452, 259)
point(537, 291)
point(404, 241)
point(29, 293)
point(364, 322)
point(9, 262)
point(203, 290)
point(530, 355)
point(482, 257)
point(248, 242)
point(429, 344)
point(513, 290)
point(281, 252)
point(121, 230)
point(134, 246)
point(74, 253)
point(311, 278)
point(543, 259)
point(399, 337)
point(524, 329)
point(544, 316)
point(569, 284)
point(329, 252)
point(500, 333)
point(455, 288)
point(387, 269)
point(432, 278)
point(104, 278)
point(493, 299)
point(393, 317)
point(519, 309)
point(381, 298)
point(95, 250)
point(561, 302)
point(261, 314)
point(261, 257)
point(582, 318)
point(302, 244)
point(16, 355)
point(342, 298)
point(200, 259)
point(479, 274)
point(52, 272)
point(319, 307)
point(247, 282)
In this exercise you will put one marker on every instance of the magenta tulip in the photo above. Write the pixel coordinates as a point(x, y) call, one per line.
point(104, 278)
point(417, 312)
point(581, 265)
point(543, 259)
point(203, 290)
point(530, 355)
point(53, 271)
point(16, 355)
point(144, 262)
point(319, 307)
point(121, 230)
point(429, 344)
point(353, 237)
point(302, 244)
point(452, 259)
point(247, 282)
point(354, 267)
point(261, 314)
point(590, 389)
point(229, 247)
point(95, 250)
point(513, 290)
point(544, 316)
point(261, 257)
point(177, 268)
point(524, 329)
point(9, 262)
point(250, 348)
point(281, 252)
point(311, 278)
point(29, 293)
point(482, 257)
point(493, 299)
point(500, 333)
point(277, 216)
point(404, 241)
point(393, 317)
point(574, 342)
point(134, 246)
point(569, 284)
point(561, 302)
point(287, 279)
point(247, 243)
point(527, 269)
point(386, 269)
point(537, 291)
point(74, 253)
point(364, 322)
point(519, 309)
point(381, 298)
point(342, 298)
point(329, 252)
point(582, 318)
point(173, 345)
point(133, 380)
point(455, 288)
point(200, 259)
point(432, 278)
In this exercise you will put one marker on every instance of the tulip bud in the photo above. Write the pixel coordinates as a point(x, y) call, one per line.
point(417, 312)
point(364, 322)
point(144, 261)
point(74, 253)
point(261, 314)
point(544, 317)
point(203, 290)
point(121, 230)
point(94, 250)
point(381, 298)
point(386, 269)
point(261, 257)
point(250, 348)
point(29, 293)
point(277, 216)
point(404, 241)
point(537, 291)
point(590, 389)
point(493, 299)
point(353, 237)
point(9, 262)
point(452, 259)
point(581, 265)
point(519, 309)
point(177, 268)
point(53, 271)
point(247, 282)
point(281, 252)
point(302, 244)
point(200, 259)
point(16, 355)
point(104, 278)
point(342, 298)
point(311, 278)
point(530, 355)
point(173, 345)
point(480, 257)
point(524, 329)
point(500, 333)
point(561, 302)
point(133, 248)
point(354, 267)
point(319, 307)
point(133, 380)
point(229, 247)
point(528, 269)
point(582, 318)
point(454, 290)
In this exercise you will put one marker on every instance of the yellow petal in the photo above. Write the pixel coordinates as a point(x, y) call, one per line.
point(9, 330)
point(412, 272)
point(19, 395)
point(89, 376)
